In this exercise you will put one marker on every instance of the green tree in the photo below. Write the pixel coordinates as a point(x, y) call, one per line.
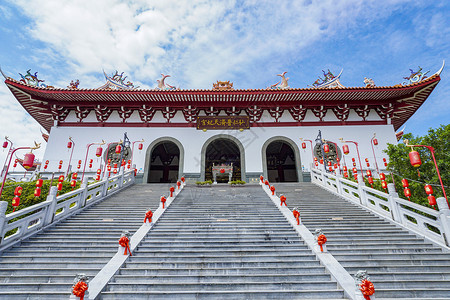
point(401, 167)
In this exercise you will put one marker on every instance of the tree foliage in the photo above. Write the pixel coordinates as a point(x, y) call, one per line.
point(400, 165)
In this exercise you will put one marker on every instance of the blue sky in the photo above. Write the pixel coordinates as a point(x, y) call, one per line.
point(200, 42)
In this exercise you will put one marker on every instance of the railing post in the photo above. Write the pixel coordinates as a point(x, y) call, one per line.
point(444, 218)
point(3, 207)
point(338, 183)
point(105, 187)
point(393, 204)
point(121, 178)
point(362, 193)
point(84, 187)
point(50, 213)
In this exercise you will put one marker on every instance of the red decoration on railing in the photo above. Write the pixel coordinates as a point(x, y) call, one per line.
point(183, 179)
point(148, 216)
point(178, 184)
point(272, 189)
point(79, 289)
point(345, 174)
point(367, 289)
point(125, 242)
point(163, 201)
point(172, 189)
point(283, 200)
point(296, 216)
point(266, 182)
point(321, 239)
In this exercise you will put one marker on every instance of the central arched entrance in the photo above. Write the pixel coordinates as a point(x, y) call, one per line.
point(281, 160)
point(223, 149)
point(164, 163)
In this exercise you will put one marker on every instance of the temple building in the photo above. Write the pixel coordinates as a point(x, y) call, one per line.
point(188, 131)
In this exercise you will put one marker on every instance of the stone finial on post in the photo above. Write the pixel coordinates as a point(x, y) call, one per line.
point(320, 239)
point(364, 288)
point(50, 213)
point(3, 207)
point(444, 218)
point(80, 287)
point(124, 242)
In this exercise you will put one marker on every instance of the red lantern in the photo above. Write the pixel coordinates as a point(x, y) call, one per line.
point(39, 183)
point(345, 168)
point(326, 148)
point(375, 142)
point(46, 162)
point(414, 158)
point(370, 179)
point(382, 176)
point(366, 160)
point(384, 159)
point(383, 184)
point(97, 177)
point(91, 161)
point(345, 149)
point(335, 166)
point(354, 164)
point(99, 151)
point(354, 170)
point(405, 183)
point(115, 165)
point(73, 183)
point(15, 202)
point(45, 167)
point(118, 149)
point(407, 192)
point(345, 174)
point(329, 163)
point(28, 160)
point(108, 168)
point(338, 159)
point(37, 192)
point(368, 165)
point(115, 171)
point(428, 189)
point(18, 191)
point(315, 158)
point(109, 161)
point(79, 162)
point(90, 166)
point(59, 186)
point(261, 178)
point(330, 169)
point(140, 146)
point(316, 163)
point(369, 173)
point(69, 144)
point(321, 161)
point(353, 159)
point(431, 200)
point(79, 166)
point(61, 178)
point(303, 145)
point(5, 144)
point(355, 175)
point(222, 171)
point(128, 166)
point(60, 162)
point(59, 167)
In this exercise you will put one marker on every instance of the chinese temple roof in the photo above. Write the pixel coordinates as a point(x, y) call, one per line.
point(398, 102)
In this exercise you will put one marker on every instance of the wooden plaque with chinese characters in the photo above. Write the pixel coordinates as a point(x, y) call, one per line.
point(230, 122)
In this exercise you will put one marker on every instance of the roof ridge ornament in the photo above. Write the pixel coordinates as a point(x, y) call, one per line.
point(162, 86)
point(328, 81)
point(223, 85)
point(283, 84)
point(369, 82)
point(74, 84)
point(117, 81)
point(33, 80)
point(415, 76)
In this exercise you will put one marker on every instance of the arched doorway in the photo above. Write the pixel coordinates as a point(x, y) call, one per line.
point(164, 163)
point(222, 151)
point(281, 161)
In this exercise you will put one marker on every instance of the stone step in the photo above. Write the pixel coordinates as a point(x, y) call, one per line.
point(222, 258)
point(27, 295)
point(27, 270)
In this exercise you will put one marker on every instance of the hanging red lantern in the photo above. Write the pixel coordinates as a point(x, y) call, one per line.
point(46, 162)
point(129, 161)
point(99, 151)
point(431, 200)
point(118, 149)
point(366, 160)
point(338, 159)
point(163, 201)
point(69, 144)
point(370, 179)
point(321, 161)
point(115, 165)
point(37, 192)
point(345, 174)
point(59, 186)
point(382, 176)
point(109, 161)
point(407, 192)
point(79, 162)
point(28, 160)
point(261, 178)
point(428, 189)
point(108, 167)
point(222, 171)
point(15, 202)
point(39, 182)
point(59, 167)
point(315, 158)
point(355, 175)
point(354, 164)
point(61, 178)
point(330, 169)
point(79, 166)
point(97, 177)
point(99, 171)
point(405, 183)
point(335, 166)
point(345, 149)
point(316, 163)
point(73, 183)
point(353, 159)
point(369, 173)
point(303, 145)
point(368, 165)
point(128, 166)
point(414, 158)
point(345, 168)
point(18, 191)
point(329, 163)
point(60, 162)
point(74, 176)
point(45, 167)
point(90, 166)
point(5, 144)
point(383, 184)
point(140, 146)
point(115, 171)
point(91, 161)
point(354, 170)
point(375, 142)
point(326, 148)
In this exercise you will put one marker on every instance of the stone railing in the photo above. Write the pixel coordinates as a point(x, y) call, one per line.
point(28, 221)
point(433, 224)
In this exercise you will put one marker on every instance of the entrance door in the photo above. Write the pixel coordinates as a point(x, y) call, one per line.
point(223, 151)
point(281, 165)
point(164, 163)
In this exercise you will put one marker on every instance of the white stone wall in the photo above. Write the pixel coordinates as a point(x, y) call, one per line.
point(193, 140)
